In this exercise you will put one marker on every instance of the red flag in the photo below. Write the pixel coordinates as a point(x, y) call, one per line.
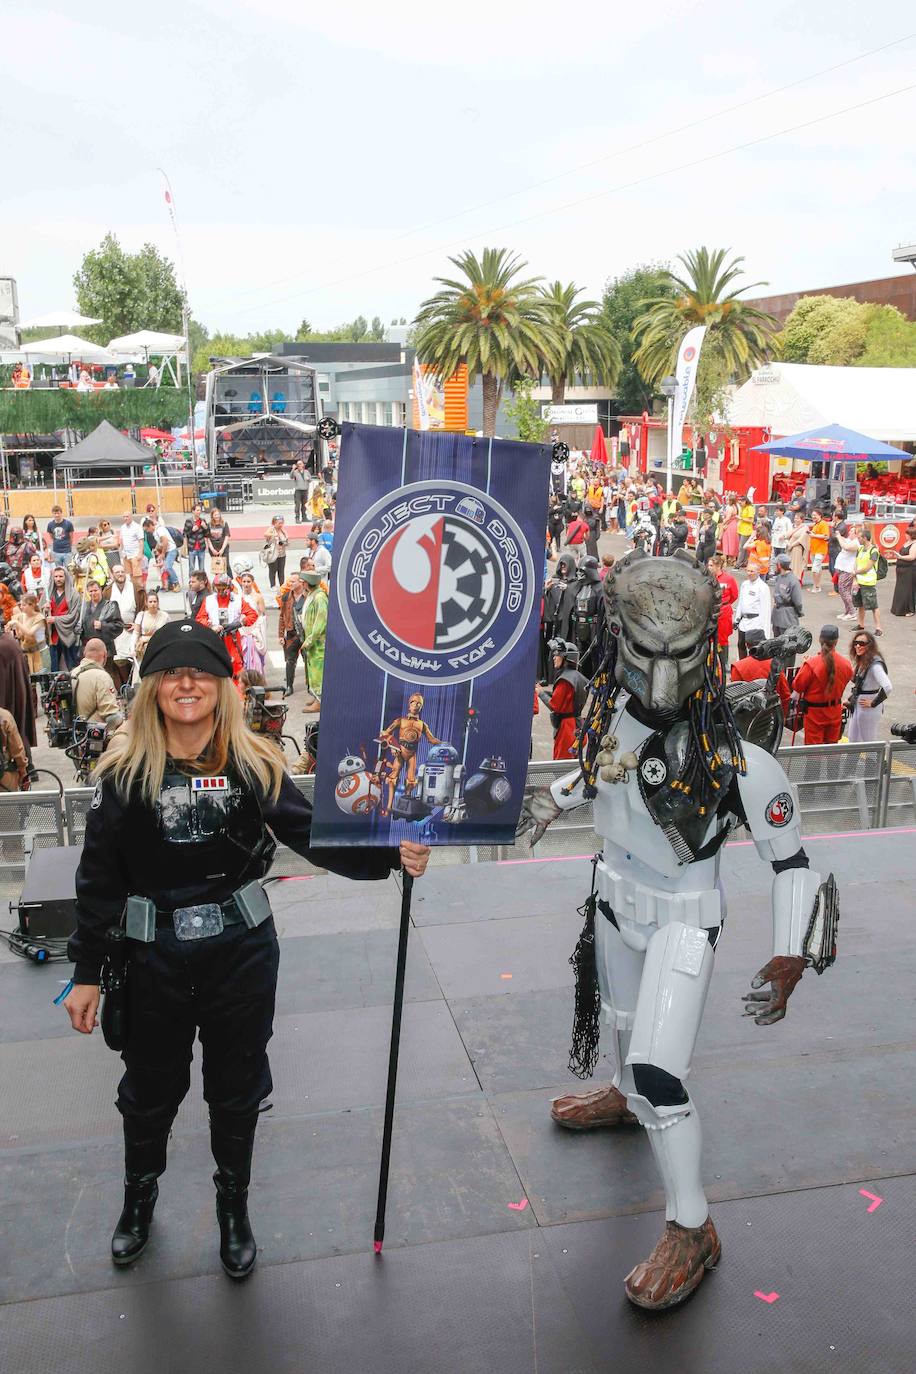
point(599, 448)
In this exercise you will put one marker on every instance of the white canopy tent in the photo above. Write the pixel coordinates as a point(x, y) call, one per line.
point(59, 319)
point(68, 346)
point(151, 341)
point(788, 398)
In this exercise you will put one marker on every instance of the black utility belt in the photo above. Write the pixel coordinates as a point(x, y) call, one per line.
point(809, 702)
point(249, 906)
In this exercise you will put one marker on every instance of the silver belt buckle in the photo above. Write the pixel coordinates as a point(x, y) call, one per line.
point(198, 922)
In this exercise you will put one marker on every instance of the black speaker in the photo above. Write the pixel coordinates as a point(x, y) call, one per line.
point(47, 905)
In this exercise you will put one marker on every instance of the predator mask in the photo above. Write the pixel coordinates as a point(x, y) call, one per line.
point(662, 612)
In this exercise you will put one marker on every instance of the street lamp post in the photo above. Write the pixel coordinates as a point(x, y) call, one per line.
point(669, 389)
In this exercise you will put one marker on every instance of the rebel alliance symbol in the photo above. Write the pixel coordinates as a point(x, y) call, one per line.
point(436, 584)
point(654, 771)
point(780, 810)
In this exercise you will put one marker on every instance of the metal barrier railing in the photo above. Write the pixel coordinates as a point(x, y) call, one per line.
point(898, 803)
point(840, 786)
point(28, 820)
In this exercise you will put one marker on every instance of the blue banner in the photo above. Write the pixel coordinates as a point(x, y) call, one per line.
point(439, 555)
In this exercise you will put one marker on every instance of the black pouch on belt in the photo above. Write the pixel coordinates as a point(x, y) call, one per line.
point(114, 1019)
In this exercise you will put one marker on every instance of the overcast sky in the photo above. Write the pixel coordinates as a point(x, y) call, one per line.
point(326, 159)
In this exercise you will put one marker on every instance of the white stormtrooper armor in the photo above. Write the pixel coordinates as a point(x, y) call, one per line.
point(655, 963)
point(663, 813)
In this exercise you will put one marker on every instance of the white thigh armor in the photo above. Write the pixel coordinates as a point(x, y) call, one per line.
point(672, 994)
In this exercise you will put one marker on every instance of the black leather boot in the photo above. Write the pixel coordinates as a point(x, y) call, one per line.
point(144, 1161)
point(232, 1144)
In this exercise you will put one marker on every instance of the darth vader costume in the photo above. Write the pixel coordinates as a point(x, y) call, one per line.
point(559, 607)
point(587, 612)
point(670, 771)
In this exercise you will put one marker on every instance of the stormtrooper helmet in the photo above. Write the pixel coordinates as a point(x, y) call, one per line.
point(662, 612)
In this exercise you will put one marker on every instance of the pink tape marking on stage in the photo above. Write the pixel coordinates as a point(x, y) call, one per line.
point(875, 1200)
point(766, 1297)
point(734, 844)
point(518, 1206)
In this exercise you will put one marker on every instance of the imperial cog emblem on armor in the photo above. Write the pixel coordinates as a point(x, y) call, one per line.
point(780, 810)
point(436, 583)
point(654, 771)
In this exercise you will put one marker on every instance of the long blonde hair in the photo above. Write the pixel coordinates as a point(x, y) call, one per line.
point(136, 757)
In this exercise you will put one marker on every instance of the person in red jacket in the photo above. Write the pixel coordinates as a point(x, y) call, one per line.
point(576, 532)
point(729, 597)
point(224, 610)
point(566, 699)
point(752, 669)
point(821, 682)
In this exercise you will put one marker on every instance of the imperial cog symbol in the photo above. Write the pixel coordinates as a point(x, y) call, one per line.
point(654, 771)
point(436, 582)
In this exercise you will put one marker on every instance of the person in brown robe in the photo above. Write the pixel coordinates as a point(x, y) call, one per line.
point(16, 689)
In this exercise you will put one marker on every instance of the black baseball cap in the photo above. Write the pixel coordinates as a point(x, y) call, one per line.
point(828, 632)
point(186, 644)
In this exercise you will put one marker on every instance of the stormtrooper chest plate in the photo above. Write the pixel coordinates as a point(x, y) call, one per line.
point(622, 815)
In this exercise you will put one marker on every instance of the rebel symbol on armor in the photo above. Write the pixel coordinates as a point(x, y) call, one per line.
point(780, 810)
point(654, 771)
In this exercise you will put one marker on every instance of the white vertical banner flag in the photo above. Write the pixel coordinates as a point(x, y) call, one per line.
point(687, 361)
point(420, 392)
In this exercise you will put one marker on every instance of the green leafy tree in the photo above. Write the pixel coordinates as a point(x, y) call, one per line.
point(525, 412)
point(304, 331)
point(890, 339)
point(624, 301)
point(491, 319)
point(128, 291)
point(738, 334)
point(376, 330)
point(824, 329)
point(587, 351)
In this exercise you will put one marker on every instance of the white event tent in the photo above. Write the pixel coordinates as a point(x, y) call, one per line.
point(59, 319)
point(788, 398)
point(67, 346)
point(151, 341)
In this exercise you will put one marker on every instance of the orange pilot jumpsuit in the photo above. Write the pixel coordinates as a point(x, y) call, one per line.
point(563, 703)
point(824, 716)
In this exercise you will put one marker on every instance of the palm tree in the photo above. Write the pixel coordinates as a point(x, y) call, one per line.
point(738, 334)
point(492, 321)
point(589, 351)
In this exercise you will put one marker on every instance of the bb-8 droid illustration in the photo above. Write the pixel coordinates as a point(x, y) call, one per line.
point(356, 793)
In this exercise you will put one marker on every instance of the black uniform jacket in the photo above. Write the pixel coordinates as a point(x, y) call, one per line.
point(195, 845)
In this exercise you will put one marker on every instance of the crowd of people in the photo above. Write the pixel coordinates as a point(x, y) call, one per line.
point(89, 604)
point(116, 585)
point(799, 545)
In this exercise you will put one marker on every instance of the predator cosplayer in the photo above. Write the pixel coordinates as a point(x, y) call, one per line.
point(667, 757)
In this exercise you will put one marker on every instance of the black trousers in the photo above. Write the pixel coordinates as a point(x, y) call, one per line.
point(222, 989)
point(299, 500)
point(276, 572)
point(291, 649)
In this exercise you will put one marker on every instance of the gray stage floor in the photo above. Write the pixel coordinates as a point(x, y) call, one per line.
point(507, 1239)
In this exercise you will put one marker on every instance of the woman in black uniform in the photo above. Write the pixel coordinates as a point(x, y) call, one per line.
point(177, 835)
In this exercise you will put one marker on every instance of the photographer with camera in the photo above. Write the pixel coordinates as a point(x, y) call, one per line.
point(94, 696)
point(182, 829)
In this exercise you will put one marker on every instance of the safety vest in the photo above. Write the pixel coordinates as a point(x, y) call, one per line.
point(867, 566)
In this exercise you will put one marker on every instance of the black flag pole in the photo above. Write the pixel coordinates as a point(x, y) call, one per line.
point(406, 893)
